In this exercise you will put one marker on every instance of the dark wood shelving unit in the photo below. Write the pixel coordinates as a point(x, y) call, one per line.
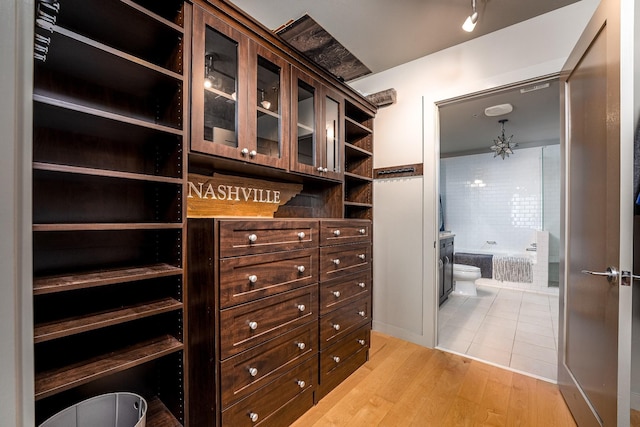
point(358, 154)
point(109, 168)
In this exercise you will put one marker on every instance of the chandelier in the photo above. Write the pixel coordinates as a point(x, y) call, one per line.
point(502, 146)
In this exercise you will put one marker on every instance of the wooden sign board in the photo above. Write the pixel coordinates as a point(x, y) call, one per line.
point(234, 196)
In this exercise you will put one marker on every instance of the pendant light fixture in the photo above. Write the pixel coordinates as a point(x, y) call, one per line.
point(502, 146)
point(470, 22)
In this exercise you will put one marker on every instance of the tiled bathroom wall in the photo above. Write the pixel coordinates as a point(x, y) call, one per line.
point(496, 205)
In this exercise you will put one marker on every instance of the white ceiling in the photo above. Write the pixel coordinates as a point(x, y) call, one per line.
point(386, 33)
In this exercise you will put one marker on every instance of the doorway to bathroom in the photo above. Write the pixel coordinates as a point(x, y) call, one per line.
point(499, 182)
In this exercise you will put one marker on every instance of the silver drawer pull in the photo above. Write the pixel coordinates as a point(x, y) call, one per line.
point(253, 325)
point(336, 233)
point(253, 372)
point(253, 238)
point(301, 307)
point(336, 261)
point(301, 383)
point(336, 359)
point(301, 269)
point(362, 342)
point(362, 231)
point(253, 278)
point(336, 294)
point(301, 235)
point(362, 285)
point(362, 256)
point(319, 168)
point(301, 345)
point(336, 327)
point(244, 151)
point(253, 153)
point(362, 313)
point(253, 417)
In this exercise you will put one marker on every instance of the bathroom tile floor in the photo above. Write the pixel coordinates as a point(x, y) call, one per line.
point(509, 327)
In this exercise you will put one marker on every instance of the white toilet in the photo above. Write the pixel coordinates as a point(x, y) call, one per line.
point(464, 279)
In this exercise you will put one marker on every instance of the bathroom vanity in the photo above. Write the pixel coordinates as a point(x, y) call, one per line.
point(445, 267)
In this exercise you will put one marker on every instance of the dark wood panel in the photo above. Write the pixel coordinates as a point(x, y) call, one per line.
point(289, 397)
point(159, 416)
point(253, 369)
point(343, 321)
point(344, 290)
point(202, 350)
point(270, 236)
point(272, 316)
point(336, 261)
point(244, 279)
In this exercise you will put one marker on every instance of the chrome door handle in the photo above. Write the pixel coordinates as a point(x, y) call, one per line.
point(611, 274)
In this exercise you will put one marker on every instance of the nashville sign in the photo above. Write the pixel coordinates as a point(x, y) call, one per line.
point(228, 195)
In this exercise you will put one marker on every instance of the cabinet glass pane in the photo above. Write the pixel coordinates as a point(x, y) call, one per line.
point(220, 88)
point(306, 124)
point(269, 134)
point(332, 129)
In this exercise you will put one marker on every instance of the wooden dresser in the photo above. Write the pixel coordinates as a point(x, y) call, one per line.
point(279, 314)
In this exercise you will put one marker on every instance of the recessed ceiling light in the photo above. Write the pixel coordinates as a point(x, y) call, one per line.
point(498, 110)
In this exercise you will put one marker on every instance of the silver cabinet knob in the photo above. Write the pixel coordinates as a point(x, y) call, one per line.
point(362, 285)
point(301, 345)
point(301, 307)
point(336, 261)
point(301, 268)
point(253, 372)
point(362, 342)
point(253, 325)
point(336, 327)
point(336, 294)
point(319, 168)
point(325, 170)
point(253, 278)
point(336, 359)
point(336, 233)
point(252, 153)
point(253, 417)
point(362, 231)
point(362, 256)
point(362, 313)
point(301, 383)
point(244, 151)
point(301, 235)
point(253, 238)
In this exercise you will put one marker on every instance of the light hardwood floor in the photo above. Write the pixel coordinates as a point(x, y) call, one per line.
point(404, 384)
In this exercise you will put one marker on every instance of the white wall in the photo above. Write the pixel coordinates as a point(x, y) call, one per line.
point(406, 133)
point(16, 328)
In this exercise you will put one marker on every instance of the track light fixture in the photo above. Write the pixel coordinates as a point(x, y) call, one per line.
point(470, 22)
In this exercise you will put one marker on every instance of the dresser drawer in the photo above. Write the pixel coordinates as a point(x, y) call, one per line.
point(248, 371)
point(342, 359)
point(242, 237)
point(279, 403)
point(250, 324)
point(244, 279)
point(343, 321)
point(344, 290)
point(336, 261)
point(334, 232)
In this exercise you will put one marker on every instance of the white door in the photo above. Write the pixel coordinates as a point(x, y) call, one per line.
point(588, 364)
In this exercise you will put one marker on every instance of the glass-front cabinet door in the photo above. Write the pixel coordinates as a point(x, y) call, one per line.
point(269, 105)
point(219, 92)
point(240, 95)
point(316, 117)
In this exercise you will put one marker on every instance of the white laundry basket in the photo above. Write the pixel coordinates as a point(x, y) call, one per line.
point(107, 410)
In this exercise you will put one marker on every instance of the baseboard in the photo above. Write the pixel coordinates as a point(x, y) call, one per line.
point(402, 334)
point(635, 401)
